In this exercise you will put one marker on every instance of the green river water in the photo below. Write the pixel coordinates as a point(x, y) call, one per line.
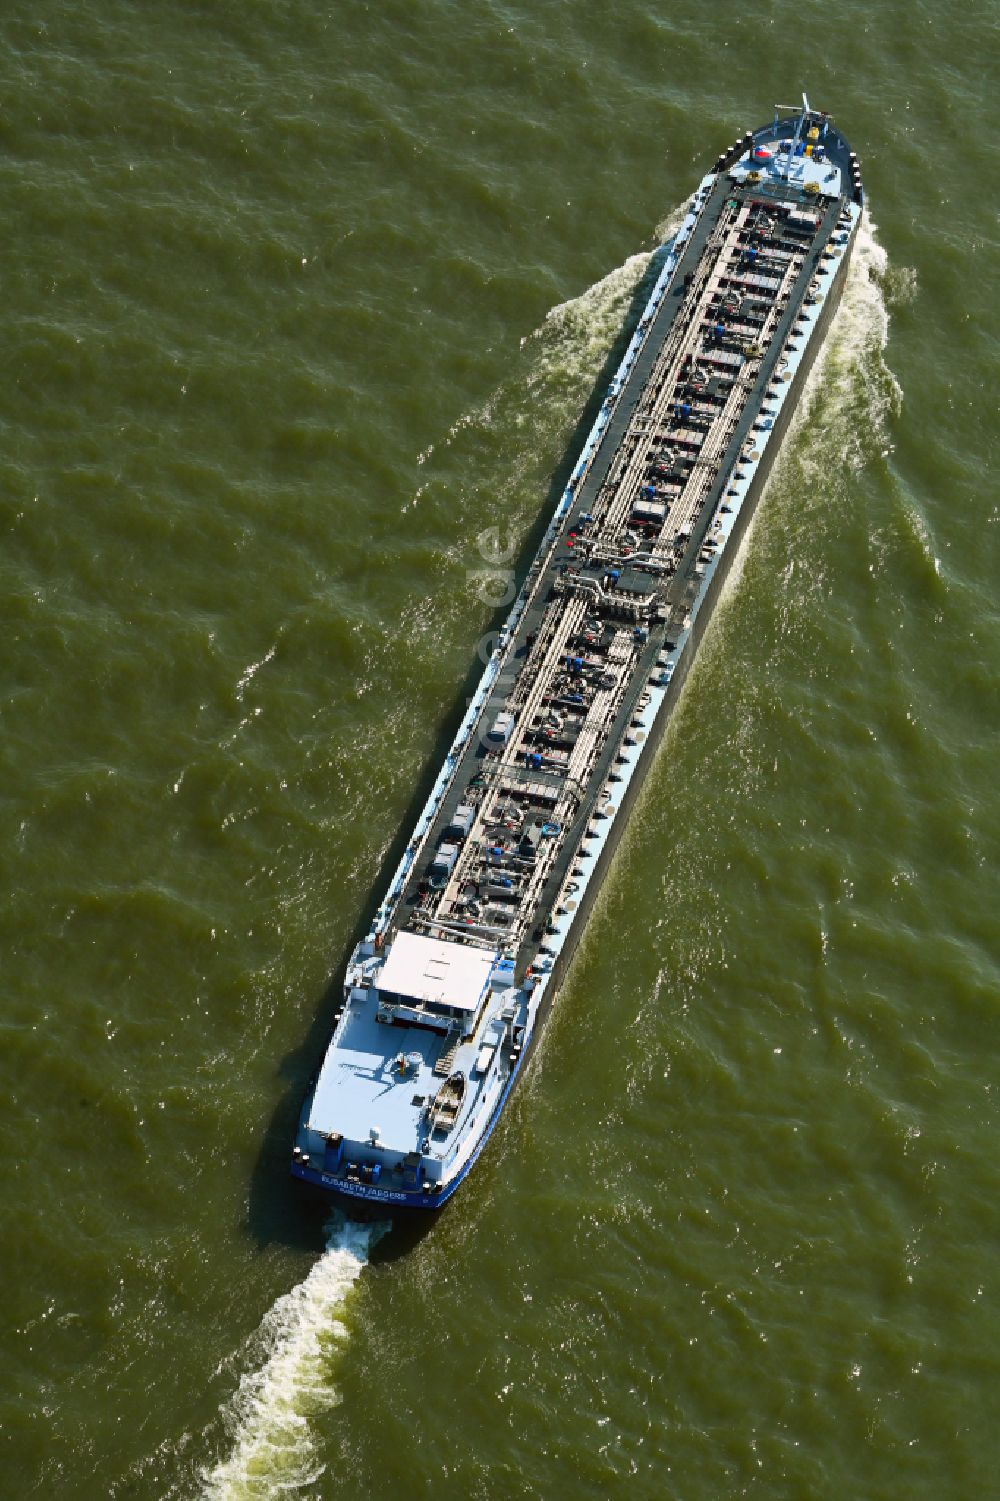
point(302, 304)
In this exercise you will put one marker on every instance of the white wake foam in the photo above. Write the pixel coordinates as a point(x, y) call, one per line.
point(566, 351)
point(273, 1451)
point(852, 365)
point(576, 335)
point(842, 418)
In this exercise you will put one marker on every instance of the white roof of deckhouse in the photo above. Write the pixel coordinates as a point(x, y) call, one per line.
point(425, 969)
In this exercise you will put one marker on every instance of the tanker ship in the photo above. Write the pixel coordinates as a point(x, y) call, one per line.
point(446, 995)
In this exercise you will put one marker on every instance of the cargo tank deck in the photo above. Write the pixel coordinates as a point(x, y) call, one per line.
point(606, 601)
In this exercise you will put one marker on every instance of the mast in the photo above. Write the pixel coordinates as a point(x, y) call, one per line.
point(803, 115)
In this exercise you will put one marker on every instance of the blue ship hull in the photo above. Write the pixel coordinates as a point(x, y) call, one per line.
point(447, 995)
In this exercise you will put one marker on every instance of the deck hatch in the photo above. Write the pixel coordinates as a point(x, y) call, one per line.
point(429, 970)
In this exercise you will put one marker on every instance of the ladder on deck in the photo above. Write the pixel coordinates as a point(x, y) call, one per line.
point(443, 1066)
